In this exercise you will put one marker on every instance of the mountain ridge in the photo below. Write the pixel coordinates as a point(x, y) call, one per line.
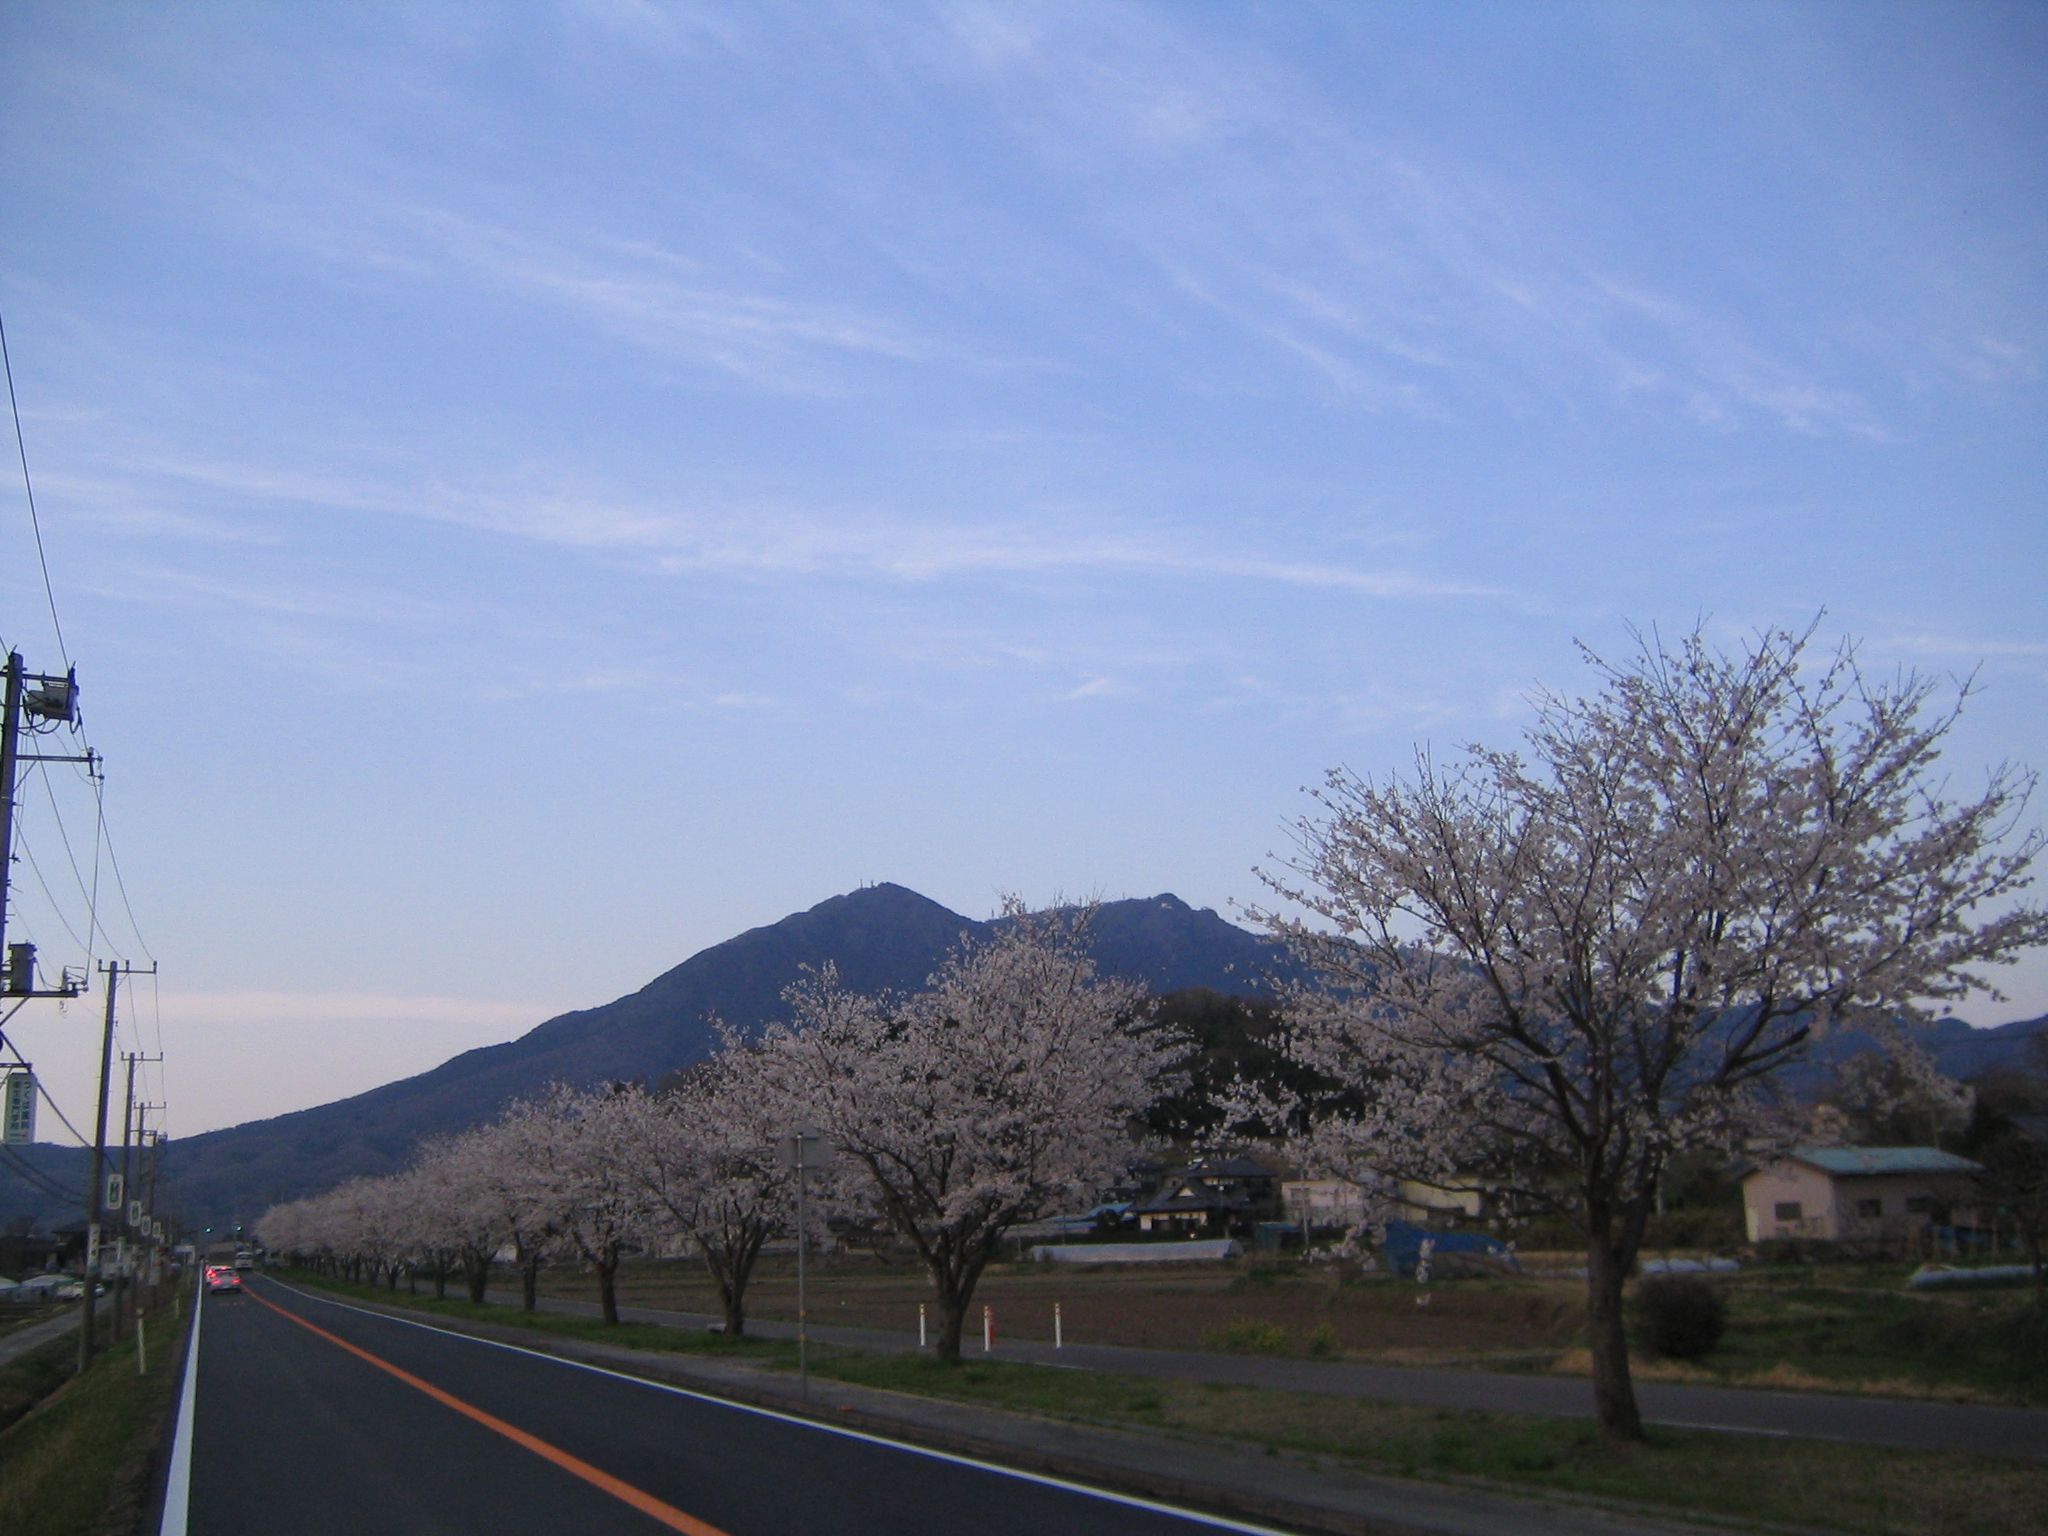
point(882, 937)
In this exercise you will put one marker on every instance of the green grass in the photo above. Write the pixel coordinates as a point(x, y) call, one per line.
point(1861, 1337)
point(77, 1465)
point(1808, 1483)
point(26, 1381)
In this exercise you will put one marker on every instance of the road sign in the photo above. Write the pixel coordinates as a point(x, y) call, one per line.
point(18, 1108)
point(805, 1148)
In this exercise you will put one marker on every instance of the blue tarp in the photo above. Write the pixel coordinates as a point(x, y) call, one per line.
point(1403, 1248)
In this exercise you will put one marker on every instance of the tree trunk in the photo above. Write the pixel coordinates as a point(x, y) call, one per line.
point(607, 1289)
point(529, 1282)
point(476, 1274)
point(441, 1282)
point(1614, 1393)
point(952, 1314)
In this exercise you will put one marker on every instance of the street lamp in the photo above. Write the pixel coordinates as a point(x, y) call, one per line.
point(803, 1149)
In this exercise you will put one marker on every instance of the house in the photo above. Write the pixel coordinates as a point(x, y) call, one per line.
point(1323, 1205)
point(1434, 1205)
point(1858, 1194)
point(1212, 1194)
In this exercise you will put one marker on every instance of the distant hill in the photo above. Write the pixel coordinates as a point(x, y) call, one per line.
point(881, 936)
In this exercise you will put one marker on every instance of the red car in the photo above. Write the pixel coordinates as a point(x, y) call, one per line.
point(220, 1280)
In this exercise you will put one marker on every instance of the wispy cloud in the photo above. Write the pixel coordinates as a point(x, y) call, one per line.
point(784, 541)
point(1956, 645)
point(1097, 688)
point(633, 290)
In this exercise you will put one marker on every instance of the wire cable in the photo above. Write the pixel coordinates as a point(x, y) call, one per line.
point(76, 1134)
point(28, 485)
point(77, 875)
point(114, 863)
point(21, 846)
point(42, 1182)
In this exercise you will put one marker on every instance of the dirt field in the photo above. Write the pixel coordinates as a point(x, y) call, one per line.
point(1188, 1307)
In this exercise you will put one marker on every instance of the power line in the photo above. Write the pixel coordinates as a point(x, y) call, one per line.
point(41, 1181)
point(28, 485)
point(21, 843)
point(114, 863)
point(23, 1061)
point(91, 901)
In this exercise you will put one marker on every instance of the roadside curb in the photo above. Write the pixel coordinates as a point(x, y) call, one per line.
point(1469, 1509)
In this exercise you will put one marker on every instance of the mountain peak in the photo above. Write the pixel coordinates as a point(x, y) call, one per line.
point(882, 937)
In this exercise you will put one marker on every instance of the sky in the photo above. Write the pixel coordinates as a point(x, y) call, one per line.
point(533, 491)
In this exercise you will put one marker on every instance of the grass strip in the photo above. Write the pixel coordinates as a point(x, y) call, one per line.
point(1863, 1489)
point(79, 1464)
point(27, 1379)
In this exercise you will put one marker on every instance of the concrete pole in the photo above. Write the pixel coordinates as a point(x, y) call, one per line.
point(95, 1191)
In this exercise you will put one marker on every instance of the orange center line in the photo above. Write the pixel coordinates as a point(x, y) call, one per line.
point(646, 1503)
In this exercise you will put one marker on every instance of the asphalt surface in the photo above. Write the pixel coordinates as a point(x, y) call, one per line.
point(292, 1430)
point(20, 1342)
point(1899, 1423)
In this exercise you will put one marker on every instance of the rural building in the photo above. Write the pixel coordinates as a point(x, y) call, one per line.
point(1323, 1205)
point(1212, 1194)
point(1859, 1194)
point(1433, 1205)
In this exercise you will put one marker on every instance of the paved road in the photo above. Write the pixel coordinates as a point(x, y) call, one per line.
point(37, 1334)
point(365, 1423)
point(1900, 1423)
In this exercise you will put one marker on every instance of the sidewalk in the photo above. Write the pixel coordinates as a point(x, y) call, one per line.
point(1899, 1423)
point(1299, 1493)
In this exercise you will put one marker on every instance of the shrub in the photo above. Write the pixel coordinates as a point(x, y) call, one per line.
point(1248, 1335)
point(1322, 1339)
point(1682, 1316)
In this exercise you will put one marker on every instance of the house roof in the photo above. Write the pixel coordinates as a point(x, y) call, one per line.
point(1186, 1194)
point(1854, 1162)
point(1229, 1168)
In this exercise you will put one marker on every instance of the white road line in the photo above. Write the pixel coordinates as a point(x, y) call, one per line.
point(1728, 1429)
point(178, 1490)
point(1128, 1501)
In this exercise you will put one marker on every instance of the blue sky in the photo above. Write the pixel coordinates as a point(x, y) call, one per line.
point(535, 490)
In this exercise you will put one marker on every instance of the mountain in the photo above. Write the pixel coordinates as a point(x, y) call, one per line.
point(879, 937)
point(1959, 1050)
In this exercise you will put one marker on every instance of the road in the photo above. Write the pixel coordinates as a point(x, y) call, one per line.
point(313, 1416)
point(1898, 1423)
point(20, 1342)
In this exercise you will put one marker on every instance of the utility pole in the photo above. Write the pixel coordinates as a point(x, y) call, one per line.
point(125, 1217)
point(96, 1191)
point(53, 700)
point(121, 1205)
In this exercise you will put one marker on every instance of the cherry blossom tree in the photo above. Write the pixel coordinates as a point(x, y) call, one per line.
point(996, 1097)
point(573, 1153)
point(492, 1172)
point(1553, 973)
point(704, 1155)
